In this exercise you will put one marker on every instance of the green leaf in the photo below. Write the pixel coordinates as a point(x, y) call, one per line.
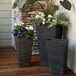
point(56, 7)
point(14, 5)
point(66, 4)
point(31, 33)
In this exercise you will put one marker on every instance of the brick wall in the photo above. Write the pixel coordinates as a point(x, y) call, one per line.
point(27, 16)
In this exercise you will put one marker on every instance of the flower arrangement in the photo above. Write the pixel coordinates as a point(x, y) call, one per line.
point(47, 16)
point(43, 19)
point(21, 31)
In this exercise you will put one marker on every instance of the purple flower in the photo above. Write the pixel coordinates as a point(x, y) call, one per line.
point(23, 30)
point(15, 32)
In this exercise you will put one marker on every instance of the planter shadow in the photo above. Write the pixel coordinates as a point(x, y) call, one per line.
point(57, 55)
point(61, 31)
point(23, 51)
point(43, 32)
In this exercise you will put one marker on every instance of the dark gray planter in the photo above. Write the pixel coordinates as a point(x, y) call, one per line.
point(43, 32)
point(57, 55)
point(65, 32)
point(23, 50)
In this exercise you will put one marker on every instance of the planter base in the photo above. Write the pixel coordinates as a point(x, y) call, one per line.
point(57, 55)
point(24, 51)
point(44, 32)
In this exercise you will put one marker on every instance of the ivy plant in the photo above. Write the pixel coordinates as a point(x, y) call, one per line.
point(29, 4)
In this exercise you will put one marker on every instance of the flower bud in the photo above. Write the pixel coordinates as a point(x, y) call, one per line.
point(50, 16)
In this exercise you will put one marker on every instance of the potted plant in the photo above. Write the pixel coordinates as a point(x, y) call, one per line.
point(48, 10)
point(57, 47)
point(23, 40)
point(44, 29)
point(44, 26)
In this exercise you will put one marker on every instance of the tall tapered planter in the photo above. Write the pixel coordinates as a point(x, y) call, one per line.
point(57, 55)
point(44, 32)
point(23, 51)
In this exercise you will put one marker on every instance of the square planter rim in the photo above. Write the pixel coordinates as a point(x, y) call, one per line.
point(56, 39)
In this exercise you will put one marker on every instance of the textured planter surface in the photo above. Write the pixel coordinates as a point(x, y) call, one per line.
point(23, 50)
point(57, 55)
point(43, 32)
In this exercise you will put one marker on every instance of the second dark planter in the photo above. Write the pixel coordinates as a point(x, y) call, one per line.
point(44, 32)
point(57, 55)
point(23, 51)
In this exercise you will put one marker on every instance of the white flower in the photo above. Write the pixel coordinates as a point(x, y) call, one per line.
point(15, 24)
point(37, 16)
point(50, 16)
point(44, 19)
point(31, 27)
point(54, 20)
point(48, 19)
point(27, 27)
point(22, 23)
point(43, 22)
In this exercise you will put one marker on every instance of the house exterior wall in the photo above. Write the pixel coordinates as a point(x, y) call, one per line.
point(5, 22)
point(72, 39)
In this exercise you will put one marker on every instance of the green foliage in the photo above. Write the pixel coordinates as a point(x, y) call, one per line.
point(51, 9)
point(61, 19)
point(43, 19)
point(30, 33)
point(20, 31)
point(30, 3)
point(19, 26)
point(38, 21)
point(14, 5)
point(66, 4)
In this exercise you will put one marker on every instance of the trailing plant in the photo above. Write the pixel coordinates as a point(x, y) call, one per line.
point(29, 3)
